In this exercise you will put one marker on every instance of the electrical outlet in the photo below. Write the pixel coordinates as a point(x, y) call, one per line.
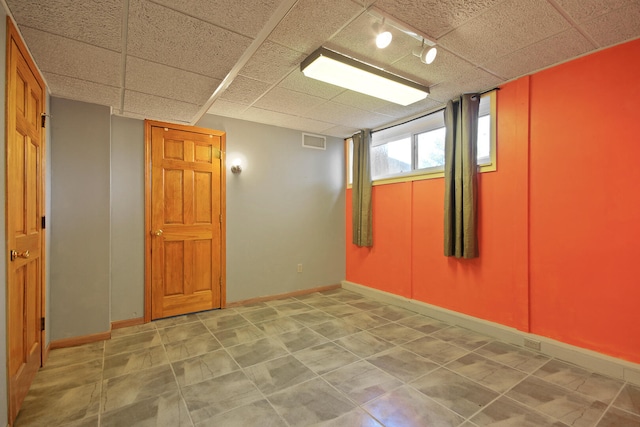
point(532, 344)
point(299, 268)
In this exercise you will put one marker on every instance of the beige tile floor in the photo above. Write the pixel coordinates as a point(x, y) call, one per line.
point(323, 359)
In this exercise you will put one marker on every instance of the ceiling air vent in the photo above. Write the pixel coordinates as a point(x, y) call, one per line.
point(318, 142)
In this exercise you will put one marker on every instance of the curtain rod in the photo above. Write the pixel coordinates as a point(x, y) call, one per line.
point(425, 115)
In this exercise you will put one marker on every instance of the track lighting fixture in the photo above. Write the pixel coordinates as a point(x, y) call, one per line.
point(383, 36)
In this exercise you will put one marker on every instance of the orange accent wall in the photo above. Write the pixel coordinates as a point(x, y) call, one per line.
point(585, 202)
point(559, 221)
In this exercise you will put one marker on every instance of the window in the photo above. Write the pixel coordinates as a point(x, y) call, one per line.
point(415, 150)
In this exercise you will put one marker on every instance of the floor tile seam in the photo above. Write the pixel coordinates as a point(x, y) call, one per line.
point(535, 410)
point(441, 404)
point(579, 393)
point(179, 388)
point(610, 405)
point(502, 363)
point(626, 411)
point(264, 396)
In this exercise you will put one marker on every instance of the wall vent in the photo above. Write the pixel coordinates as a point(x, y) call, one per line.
point(317, 142)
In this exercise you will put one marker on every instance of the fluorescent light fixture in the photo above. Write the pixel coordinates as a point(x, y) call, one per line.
point(334, 68)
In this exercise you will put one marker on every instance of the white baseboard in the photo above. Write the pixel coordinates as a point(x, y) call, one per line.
point(588, 359)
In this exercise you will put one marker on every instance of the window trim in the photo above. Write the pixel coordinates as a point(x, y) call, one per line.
point(433, 172)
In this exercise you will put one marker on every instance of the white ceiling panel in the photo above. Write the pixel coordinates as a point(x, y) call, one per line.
point(158, 107)
point(288, 101)
point(163, 35)
point(271, 62)
point(340, 131)
point(274, 118)
point(549, 51)
point(332, 112)
point(615, 27)
point(478, 81)
point(81, 61)
point(168, 82)
point(180, 53)
point(244, 90)
point(435, 17)
point(420, 107)
point(300, 83)
point(585, 10)
point(82, 90)
point(246, 18)
point(227, 109)
point(508, 27)
point(311, 23)
point(445, 67)
point(96, 22)
point(361, 101)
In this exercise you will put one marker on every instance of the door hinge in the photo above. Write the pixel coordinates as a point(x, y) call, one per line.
point(43, 117)
point(220, 218)
point(43, 222)
point(42, 323)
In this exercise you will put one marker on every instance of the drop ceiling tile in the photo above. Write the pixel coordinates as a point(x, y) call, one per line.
point(508, 27)
point(420, 107)
point(288, 101)
point(162, 35)
point(168, 82)
point(435, 17)
point(361, 101)
point(545, 53)
point(157, 108)
point(478, 81)
point(271, 62)
point(446, 66)
point(82, 90)
point(269, 117)
point(340, 131)
point(71, 58)
point(244, 90)
point(96, 22)
point(306, 125)
point(244, 17)
point(227, 109)
point(615, 27)
point(310, 23)
point(339, 114)
point(358, 40)
point(300, 83)
point(585, 10)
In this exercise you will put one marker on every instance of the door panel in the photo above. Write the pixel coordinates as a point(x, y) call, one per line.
point(24, 207)
point(185, 221)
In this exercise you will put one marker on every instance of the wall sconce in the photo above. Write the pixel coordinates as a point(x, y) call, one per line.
point(236, 166)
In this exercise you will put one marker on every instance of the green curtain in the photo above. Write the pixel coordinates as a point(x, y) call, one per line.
point(460, 177)
point(361, 190)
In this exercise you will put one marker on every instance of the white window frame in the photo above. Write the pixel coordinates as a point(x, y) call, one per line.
point(488, 165)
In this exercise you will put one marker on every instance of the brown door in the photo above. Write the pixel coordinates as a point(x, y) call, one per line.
point(185, 231)
point(24, 207)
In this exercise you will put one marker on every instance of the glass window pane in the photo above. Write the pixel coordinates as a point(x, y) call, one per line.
point(484, 140)
point(391, 158)
point(431, 149)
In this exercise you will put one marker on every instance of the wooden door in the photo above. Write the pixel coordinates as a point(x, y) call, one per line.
point(25, 209)
point(185, 219)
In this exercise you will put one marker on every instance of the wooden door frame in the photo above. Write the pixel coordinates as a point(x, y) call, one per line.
point(14, 36)
point(148, 124)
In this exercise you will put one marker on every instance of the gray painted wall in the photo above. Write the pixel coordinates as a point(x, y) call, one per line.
point(285, 208)
point(3, 236)
point(80, 218)
point(127, 218)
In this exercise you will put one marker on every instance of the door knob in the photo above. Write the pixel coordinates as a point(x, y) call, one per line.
point(15, 254)
point(158, 233)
